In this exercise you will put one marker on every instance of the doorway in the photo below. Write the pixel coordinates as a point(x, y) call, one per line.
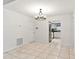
point(54, 30)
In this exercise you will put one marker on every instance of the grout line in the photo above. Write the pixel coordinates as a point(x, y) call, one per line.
point(69, 53)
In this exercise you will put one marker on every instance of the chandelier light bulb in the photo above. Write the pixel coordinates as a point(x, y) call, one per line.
point(40, 16)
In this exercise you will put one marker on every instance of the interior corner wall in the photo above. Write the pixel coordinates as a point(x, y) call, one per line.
point(68, 31)
point(16, 26)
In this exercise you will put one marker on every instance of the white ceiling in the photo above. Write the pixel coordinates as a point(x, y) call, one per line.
point(7, 1)
point(50, 7)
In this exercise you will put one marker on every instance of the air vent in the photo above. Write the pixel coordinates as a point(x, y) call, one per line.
point(19, 41)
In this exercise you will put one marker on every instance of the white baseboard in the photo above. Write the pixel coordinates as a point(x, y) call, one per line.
point(11, 49)
point(6, 51)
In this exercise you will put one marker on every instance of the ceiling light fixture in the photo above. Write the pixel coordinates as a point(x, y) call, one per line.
point(40, 16)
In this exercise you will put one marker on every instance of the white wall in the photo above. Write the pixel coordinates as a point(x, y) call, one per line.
point(67, 28)
point(16, 26)
point(41, 34)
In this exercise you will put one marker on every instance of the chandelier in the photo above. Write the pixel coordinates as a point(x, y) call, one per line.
point(40, 16)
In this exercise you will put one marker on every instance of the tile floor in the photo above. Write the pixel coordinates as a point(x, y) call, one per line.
point(41, 51)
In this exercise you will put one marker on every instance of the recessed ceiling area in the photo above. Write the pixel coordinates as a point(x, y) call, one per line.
point(50, 7)
point(7, 1)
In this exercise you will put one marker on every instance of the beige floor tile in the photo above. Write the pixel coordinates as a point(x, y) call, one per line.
point(54, 52)
point(32, 46)
point(62, 58)
point(14, 53)
point(37, 50)
point(9, 57)
point(28, 46)
point(29, 51)
point(64, 52)
point(49, 48)
point(51, 57)
point(26, 57)
point(41, 57)
point(72, 57)
point(42, 47)
point(19, 50)
point(34, 53)
point(72, 51)
point(46, 51)
point(36, 45)
point(23, 56)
